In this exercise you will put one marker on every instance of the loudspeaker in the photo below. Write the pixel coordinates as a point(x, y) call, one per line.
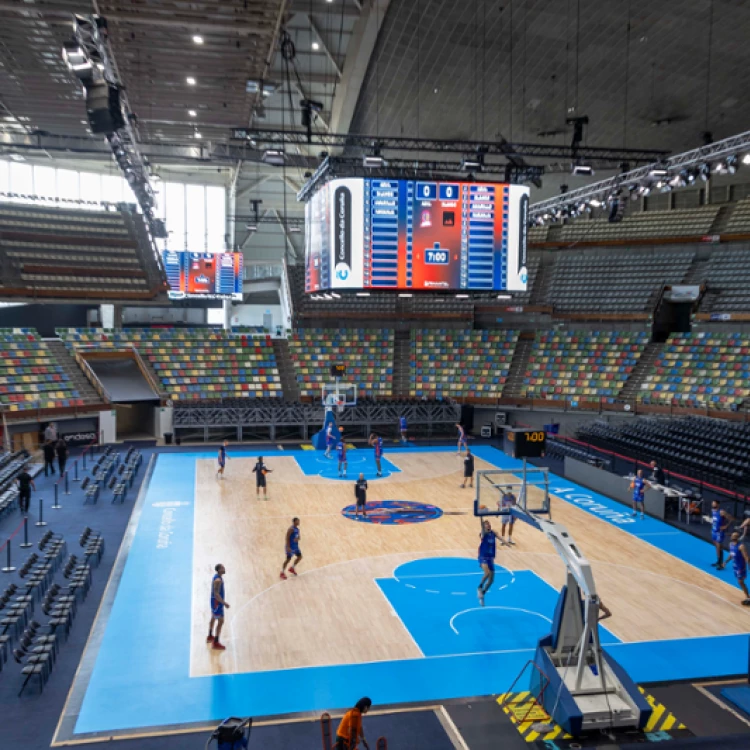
point(103, 108)
point(467, 417)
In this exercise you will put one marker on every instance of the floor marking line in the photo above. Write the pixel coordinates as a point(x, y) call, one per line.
point(451, 729)
point(480, 609)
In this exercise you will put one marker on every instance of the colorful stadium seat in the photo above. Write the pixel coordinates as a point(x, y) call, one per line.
point(460, 364)
point(30, 377)
point(585, 364)
point(367, 354)
point(195, 363)
point(702, 369)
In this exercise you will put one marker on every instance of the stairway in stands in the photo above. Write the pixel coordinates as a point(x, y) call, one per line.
point(287, 373)
point(542, 283)
point(519, 364)
point(722, 219)
point(632, 386)
point(80, 382)
point(401, 364)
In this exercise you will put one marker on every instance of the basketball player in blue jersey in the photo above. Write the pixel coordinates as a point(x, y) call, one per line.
point(292, 549)
point(218, 603)
point(222, 459)
point(487, 558)
point(720, 521)
point(639, 488)
point(461, 439)
point(341, 451)
point(739, 557)
point(402, 428)
point(330, 440)
point(377, 444)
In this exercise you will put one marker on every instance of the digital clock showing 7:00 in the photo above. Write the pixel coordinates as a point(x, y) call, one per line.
point(437, 256)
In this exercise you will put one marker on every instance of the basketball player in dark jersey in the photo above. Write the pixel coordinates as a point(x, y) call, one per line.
point(218, 603)
point(291, 547)
point(222, 459)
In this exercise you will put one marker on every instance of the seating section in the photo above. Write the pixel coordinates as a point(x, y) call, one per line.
point(30, 376)
point(700, 447)
point(644, 225)
point(728, 277)
point(614, 281)
point(701, 369)
point(59, 251)
point(367, 354)
point(739, 221)
point(460, 364)
point(582, 364)
point(196, 363)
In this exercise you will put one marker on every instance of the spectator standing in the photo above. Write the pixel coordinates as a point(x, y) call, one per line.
point(657, 474)
point(49, 457)
point(50, 433)
point(61, 449)
point(25, 485)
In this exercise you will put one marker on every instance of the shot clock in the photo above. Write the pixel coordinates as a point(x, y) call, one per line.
point(522, 442)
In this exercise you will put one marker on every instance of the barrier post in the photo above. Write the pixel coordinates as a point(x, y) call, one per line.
point(67, 484)
point(75, 470)
point(26, 543)
point(8, 568)
point(84, 457)
point(41, 521)
point(56, 505)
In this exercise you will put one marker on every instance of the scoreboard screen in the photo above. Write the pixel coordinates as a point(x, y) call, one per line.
point(405, 235)
point(203, 275)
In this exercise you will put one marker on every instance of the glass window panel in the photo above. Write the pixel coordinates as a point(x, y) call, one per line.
point(215, 316)
point(21, 178)
point(216, 217)
point(45, 181)
point(112, 188)
point(91, 186)
point(195, 201)
point(4, 176)
point(68, 187)
point(175, 205)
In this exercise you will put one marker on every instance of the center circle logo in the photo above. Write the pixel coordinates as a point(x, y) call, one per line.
point(394, 512)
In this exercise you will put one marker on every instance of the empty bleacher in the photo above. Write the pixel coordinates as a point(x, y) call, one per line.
point(645, 225)
point(728, 277)
point(701, 369)
point(582, 364)
point(460, 364)
point(611, 282)
point(739, 221)
point(367, 354)
point(30, 377)
point(67, 252)
point(195, 363)
point(700, 447)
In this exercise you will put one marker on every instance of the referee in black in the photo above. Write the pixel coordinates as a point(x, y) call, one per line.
point(360, 492)
point(25, 485)
point(468, 468)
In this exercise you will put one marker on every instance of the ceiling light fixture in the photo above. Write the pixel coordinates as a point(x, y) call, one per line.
point(315, 46)
point(192, 113)
point(190, 81)
point(198, 135)
point(197, 38)
point(274, 157)
point(746, 159)
point(362, 294)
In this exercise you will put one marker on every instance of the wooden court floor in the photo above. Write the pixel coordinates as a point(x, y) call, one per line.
point(335, 613)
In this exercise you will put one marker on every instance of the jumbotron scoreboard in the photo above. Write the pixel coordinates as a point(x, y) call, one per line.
point(522, 442)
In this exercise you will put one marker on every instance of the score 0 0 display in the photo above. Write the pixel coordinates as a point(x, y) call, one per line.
point(365, 233)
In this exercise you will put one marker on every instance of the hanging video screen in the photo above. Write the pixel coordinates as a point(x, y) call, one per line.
point(203, 275)
point(406, 235)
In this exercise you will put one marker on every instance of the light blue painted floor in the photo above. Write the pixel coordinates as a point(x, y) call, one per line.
point(140, 676)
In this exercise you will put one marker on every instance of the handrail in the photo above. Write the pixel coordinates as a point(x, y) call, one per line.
point(91, 375)
point(288, 295)
point(145, 371)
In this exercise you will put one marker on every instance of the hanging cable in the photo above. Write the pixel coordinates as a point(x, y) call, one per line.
point(627, 78)
point(708, 62)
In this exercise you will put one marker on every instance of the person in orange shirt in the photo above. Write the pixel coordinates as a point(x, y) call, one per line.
point(350, 729)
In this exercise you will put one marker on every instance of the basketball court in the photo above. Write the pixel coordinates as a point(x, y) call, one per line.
point(386, 607)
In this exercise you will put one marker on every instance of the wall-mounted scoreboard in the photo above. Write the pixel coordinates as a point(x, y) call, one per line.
point(522, 442)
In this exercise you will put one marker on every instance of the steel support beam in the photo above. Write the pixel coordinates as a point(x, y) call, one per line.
point(324, 45)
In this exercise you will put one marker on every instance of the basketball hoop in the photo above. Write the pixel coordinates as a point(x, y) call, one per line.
point(340, 405)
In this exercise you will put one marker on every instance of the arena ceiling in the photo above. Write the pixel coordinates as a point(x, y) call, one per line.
point(647, 75)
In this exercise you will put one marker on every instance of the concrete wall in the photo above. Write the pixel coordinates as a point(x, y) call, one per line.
point(252, 315)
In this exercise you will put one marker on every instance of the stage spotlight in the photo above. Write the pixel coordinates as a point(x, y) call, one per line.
point(746, 159)
point(659, 172)
point(583, 169)
point(595, 203)
point(732, 164)
point(274, 157)
point(704, 172)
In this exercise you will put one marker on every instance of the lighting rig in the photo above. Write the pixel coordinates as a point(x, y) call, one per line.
point(89, 57)
point(663, 175)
